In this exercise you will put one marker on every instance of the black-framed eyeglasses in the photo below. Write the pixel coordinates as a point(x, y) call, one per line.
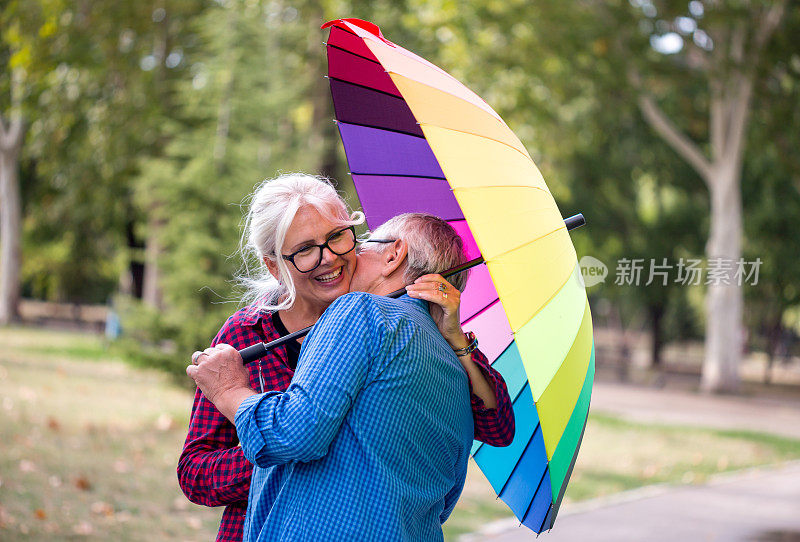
point(309, 257)
point(369, 240)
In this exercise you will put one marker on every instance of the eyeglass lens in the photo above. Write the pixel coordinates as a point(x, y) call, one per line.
point(340, 242)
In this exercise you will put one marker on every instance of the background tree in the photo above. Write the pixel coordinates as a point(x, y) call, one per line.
point(696, 64)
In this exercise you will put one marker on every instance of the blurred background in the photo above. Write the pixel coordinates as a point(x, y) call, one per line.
point(131, 134)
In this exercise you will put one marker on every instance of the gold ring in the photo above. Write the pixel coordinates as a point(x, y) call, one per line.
point(444, 295)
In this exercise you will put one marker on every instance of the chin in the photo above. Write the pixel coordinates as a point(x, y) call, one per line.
point(329, 292)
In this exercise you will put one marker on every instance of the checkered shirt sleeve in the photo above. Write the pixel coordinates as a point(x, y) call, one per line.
point(493, 426)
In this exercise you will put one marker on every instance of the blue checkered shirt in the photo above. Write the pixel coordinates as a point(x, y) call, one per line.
point(371, 439)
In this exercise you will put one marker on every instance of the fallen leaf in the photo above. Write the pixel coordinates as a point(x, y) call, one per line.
point(53, 424)
point(82, 483)
point(39, 514)
point(102, 509)
point(27, 466)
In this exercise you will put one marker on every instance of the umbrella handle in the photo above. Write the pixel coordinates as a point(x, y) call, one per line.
point(253, 352)
point(575, 221)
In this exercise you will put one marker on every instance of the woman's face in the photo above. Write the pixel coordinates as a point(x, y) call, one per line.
point(321, 286)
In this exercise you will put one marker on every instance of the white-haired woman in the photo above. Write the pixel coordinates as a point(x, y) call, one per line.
point(302, 231)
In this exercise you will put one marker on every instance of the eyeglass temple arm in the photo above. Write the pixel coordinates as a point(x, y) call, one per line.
point(252, 353)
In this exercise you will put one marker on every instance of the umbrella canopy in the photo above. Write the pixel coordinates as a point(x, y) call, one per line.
point(417, 140)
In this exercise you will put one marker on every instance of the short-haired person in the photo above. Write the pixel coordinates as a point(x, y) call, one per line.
point(289, 218)
point(372, 437)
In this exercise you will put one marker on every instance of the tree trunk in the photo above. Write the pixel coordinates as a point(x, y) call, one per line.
point(774, 337)
point(10, 231)
point(656, 316)
point(151, 288)
point(724, 299)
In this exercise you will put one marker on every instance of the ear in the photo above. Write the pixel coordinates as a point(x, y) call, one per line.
point(394, 257)
point(272, 267)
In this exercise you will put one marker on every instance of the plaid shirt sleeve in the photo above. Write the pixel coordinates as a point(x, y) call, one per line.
point(493, 426)
point(212, 469)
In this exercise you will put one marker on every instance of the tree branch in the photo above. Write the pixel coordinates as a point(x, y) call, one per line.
point(11, 135)
point(685, 147)
point(740, 107)
point(741, 90)
point(718, 122)
point(768, 25)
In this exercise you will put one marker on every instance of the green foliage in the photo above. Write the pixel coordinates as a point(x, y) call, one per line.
point(149, 124)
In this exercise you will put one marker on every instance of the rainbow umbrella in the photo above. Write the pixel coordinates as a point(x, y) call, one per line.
point(417, 140)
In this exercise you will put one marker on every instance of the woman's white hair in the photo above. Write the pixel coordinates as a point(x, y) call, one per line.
point(433, 245)
point(273, 207)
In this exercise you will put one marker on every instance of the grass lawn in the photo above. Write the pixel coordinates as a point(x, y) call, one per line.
point(89, 446)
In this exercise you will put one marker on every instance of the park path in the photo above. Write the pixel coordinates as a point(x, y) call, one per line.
point(766, 414)
point(756, 505)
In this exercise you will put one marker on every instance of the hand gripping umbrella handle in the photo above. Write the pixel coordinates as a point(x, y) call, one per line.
point(253, 352)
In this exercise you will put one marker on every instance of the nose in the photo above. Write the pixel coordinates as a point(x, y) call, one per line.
point(327, 256)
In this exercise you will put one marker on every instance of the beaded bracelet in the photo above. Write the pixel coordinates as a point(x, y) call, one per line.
point(470, 348)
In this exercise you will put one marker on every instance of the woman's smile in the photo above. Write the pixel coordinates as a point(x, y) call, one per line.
point(330, 277)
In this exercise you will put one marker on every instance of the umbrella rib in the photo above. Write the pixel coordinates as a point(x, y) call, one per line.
point(352, 53)
point(406, 175)
point(380, 128)
point(368, 88)
point(533, 498)
point(482, 137)
point(505, 484)
point(549, 509)
point(484, 309)
point(563, 489)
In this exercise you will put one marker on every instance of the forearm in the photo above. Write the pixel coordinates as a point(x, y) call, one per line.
point(480, 385)
point(228, 402)
point(493, 426)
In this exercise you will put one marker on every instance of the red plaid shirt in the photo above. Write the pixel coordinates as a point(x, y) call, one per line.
point(212, 469)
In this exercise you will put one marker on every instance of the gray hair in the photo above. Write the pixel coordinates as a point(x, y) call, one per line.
point(433, 245)
point(273, 206)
